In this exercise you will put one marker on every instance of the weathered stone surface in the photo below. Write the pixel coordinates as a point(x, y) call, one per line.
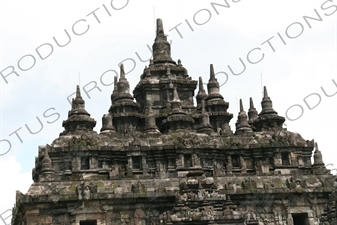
point(162, 160)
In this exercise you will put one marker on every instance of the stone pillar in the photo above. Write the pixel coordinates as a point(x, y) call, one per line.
point(229, 166)
point(243, 165)
point(129, 166)
point(144, 165)
point(300, 161)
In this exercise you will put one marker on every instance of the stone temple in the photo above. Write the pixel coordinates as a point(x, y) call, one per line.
point(159, 159)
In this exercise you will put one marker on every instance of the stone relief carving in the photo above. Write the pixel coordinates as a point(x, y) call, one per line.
point(139, 188)
point(116, 171)
point(195, 161)
point(86, 190)
point(243, 165)
point(218, 170)
point(85, 140)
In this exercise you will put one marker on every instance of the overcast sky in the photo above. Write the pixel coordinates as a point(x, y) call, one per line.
point(281, 48)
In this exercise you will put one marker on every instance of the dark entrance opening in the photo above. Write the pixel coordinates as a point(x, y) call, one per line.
point(187, 160)
point(85, 163)
point(88, 222)
point(136, 163)
point(285, 158)
point(300, 218)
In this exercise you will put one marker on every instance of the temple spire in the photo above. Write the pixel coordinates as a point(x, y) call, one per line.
point(268, 118)
point(267, 104)
point(242, 126)
point(177, 119)
point(201, 94)
point(78, 118)
point(123, 87)
point(213, 87)
point(252, 113)
point(204, 124)
point(115, 90)
point(47, 166)
point(150, 120)
point(77, 102)
point(161, 47)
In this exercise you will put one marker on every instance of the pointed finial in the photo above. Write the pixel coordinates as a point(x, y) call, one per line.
point(115, 85)
point(115, 82)
point(251, 103)
point(179, 62)
point(213, 87)
point(241, 106)
point(268, 118)
point(316, 146)
point(201, 85)
point(265, 93)
point(78, 101)
point(78, 117)
point(122, 73)
point(123, 86)
point(204, 125)
point(161, 48)
point(78, 92)
point(201, 93)
point(175, 94)
point(160, 28)
point(150, 119)
point(242, 126)
point(212, 76)
point(252, 113)
point(115, 90)
point(47, 166)
point(267, 104)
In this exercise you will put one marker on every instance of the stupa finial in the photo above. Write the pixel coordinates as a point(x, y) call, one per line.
point(212, 75)
point(241, 106)
point(122, 72)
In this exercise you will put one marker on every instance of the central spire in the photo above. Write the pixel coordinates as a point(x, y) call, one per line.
point(161, 47)
point(160, 29)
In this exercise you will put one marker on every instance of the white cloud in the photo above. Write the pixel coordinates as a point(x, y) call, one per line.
point(12, 179)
